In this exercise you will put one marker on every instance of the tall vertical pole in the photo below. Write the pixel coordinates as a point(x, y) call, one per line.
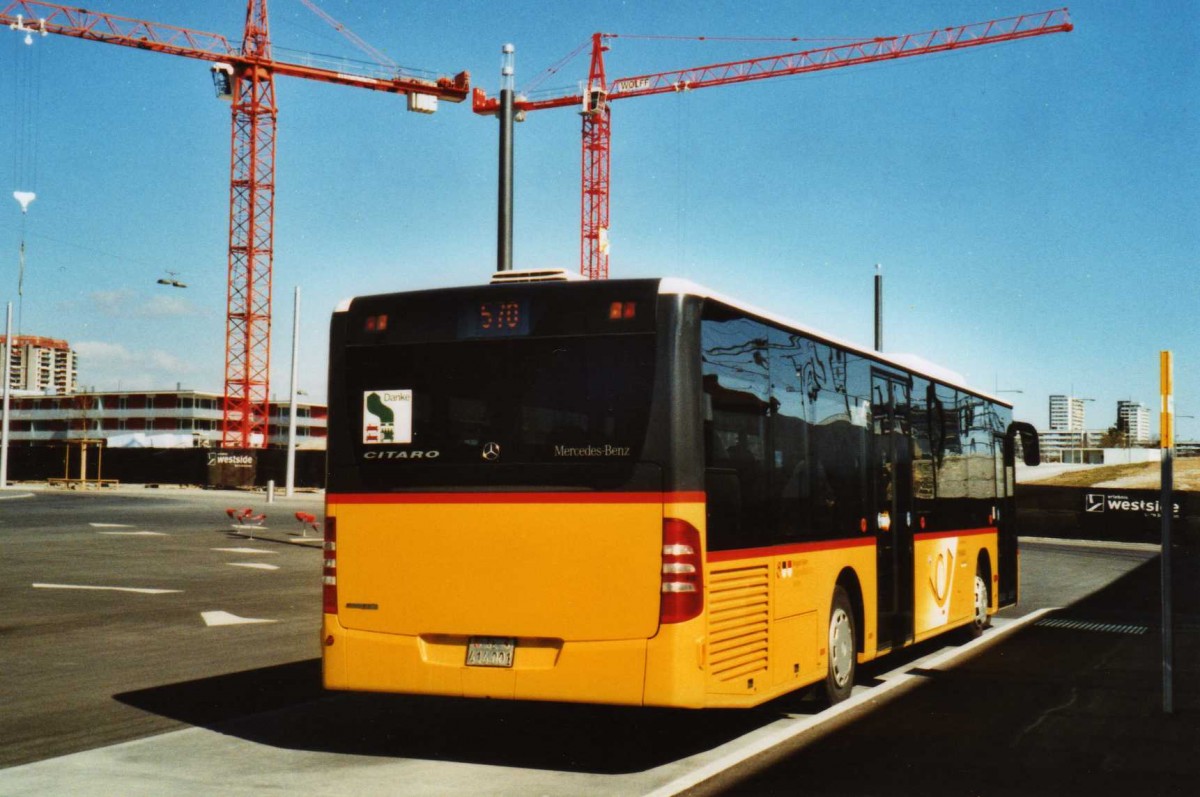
point(878, 307)
point(505, 224)
point(7, 379)
point(291, 451)
point(1166, 507)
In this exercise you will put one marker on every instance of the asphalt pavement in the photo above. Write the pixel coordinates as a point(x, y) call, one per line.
point(1070, 704)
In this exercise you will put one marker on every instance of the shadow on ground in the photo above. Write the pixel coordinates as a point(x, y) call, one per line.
point(1072, 704)
point(285, 706)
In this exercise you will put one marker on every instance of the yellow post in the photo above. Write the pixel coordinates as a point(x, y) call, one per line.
point(1166, 425)
point(1166, 508)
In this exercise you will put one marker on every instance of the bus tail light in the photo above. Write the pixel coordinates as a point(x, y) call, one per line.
point(682, 572)
point(329, 596)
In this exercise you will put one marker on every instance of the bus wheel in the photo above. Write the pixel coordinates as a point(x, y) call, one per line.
point(979, 619)
point(839, 679)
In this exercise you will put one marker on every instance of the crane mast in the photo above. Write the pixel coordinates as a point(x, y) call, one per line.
point(597, 144)
point(597, 131)
point(250, 72)
point(246, 409)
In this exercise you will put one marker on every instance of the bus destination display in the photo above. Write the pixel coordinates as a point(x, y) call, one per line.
point(497, 318)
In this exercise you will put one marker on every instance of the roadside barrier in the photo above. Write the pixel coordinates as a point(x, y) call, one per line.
point(1093, 513)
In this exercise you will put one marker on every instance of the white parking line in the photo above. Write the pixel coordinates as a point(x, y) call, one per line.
point(255, 565)
point(243, 550)
point(134, 533)
point(110, 525)
point(226, 618)
point(139, 590)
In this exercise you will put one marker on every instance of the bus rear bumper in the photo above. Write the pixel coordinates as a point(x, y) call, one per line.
point(542, 669)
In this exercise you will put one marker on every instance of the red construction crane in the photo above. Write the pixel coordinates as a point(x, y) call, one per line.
point(598, 93)
point(246, 76)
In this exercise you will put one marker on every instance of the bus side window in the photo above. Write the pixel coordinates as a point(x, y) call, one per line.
point(736, 385)
point(737, 471)
point(724, 507)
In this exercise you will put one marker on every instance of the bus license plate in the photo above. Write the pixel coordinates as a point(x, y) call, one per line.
point(487, 651)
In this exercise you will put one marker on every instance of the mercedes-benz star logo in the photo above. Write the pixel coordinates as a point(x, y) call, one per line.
point(491, 451)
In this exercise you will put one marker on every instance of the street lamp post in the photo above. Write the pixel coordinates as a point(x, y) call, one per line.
point(291, 444)
point(7, 375)
point(1082, 423)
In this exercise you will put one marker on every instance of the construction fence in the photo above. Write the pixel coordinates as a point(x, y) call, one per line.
point(1092, 513)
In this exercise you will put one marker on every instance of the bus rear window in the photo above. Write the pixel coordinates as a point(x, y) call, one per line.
point(496, 403)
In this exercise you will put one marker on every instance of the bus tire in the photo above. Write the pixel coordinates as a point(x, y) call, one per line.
point(979, 612)
point(843, 648)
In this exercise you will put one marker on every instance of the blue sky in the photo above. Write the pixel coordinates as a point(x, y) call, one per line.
point(1035, 205)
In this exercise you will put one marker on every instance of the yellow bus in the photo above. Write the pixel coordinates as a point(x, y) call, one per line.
point(640, 492)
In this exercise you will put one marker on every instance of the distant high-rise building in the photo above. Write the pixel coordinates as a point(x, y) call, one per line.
point(1133, 418)
point(1066, 414)
point(41, 365)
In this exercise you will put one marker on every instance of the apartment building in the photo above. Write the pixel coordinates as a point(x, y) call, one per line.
point(41, 365)
point(1066, 413)
point(1133, 418)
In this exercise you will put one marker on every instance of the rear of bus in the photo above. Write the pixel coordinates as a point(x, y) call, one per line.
point(505, 515)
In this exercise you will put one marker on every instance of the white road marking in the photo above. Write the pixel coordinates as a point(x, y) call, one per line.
point(243, 550)
point(139, 590)
point(255, 565)
point(225, 618)
point(110, 525)
point(134, 533)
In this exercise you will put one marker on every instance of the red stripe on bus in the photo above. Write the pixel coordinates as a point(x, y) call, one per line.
point(937, 535)
point(831, 545)
point(793, 548)
point(516, 498)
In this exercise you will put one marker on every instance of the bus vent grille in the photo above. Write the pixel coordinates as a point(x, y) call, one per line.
point(738, 612)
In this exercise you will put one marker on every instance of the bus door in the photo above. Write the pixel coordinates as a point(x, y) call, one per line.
point(892, 466)
point(1006, 521)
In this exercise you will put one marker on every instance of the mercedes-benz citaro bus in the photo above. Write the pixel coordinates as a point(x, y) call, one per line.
point(641, 492)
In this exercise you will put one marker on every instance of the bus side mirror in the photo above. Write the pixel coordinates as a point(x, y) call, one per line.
point(1030, 447)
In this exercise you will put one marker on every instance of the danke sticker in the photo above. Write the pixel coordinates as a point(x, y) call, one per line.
point(387, 417)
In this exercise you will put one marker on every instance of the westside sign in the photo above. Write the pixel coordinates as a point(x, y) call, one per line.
point(1124, 503)
point(230, 459)
point(232, 468)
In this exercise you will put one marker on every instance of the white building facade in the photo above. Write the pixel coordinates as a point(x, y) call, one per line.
point(1066, 414)
point(1133, 418)
point(149, 419)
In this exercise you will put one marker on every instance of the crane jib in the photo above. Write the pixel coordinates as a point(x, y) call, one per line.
point(246, 78)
